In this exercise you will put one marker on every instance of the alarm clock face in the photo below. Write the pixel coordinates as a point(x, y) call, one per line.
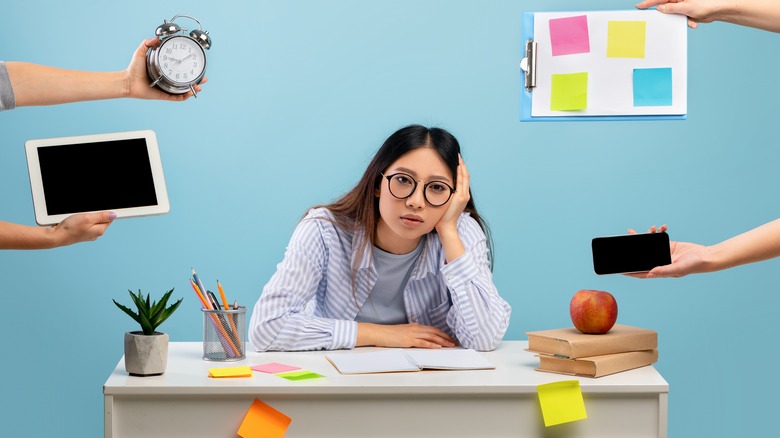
point(181, 59)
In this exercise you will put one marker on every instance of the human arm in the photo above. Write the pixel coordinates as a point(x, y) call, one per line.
point(478, 317)
point(756, 245)
point(35, 84)
point(760, 14)
point(74, 229)
point(290, 313)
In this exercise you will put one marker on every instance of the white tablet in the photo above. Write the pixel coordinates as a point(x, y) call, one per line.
point(119, 172)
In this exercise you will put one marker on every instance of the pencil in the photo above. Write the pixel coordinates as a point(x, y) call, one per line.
point(227, 307)
point(223, 335)
point(198, 282)
point(222, 294)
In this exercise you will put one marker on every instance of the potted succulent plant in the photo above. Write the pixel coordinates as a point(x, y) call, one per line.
point(146, 350)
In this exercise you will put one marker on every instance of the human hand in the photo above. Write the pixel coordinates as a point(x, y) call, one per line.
point(81, 227)
point(697, 11)
point(458, 201)
point(403, 336)
point(687, 258)
point(138, 79)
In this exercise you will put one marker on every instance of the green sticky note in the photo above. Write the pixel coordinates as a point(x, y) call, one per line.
point(561, 402)
point(569, 92)
point(626, 39)
point(300, 375)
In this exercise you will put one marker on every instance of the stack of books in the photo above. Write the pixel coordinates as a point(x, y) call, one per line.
point(567, 351)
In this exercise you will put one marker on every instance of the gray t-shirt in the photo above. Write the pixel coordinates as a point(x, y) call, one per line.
point(7, 101)
point(385, 302)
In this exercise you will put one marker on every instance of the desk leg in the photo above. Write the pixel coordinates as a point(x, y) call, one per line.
point(663, 414)
point(108, 416)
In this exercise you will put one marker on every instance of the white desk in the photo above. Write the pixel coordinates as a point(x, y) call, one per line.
point(503, 402)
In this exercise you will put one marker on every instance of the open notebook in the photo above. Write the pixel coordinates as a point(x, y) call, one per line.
point(400, 360)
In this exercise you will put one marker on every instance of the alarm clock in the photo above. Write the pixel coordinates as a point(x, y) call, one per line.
point(178, 63)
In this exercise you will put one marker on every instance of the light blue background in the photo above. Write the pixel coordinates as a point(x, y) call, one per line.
point(300, 96)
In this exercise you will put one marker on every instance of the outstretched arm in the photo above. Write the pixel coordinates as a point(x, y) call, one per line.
point(35, 84)
point(761, 14)
point(74, 229)
point(756, 245)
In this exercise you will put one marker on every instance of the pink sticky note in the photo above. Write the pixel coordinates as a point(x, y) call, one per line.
point(274, 367)
point(569, 35)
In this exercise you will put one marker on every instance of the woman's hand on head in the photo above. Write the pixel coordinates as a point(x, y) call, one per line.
point(458, 201)
point(403, 336)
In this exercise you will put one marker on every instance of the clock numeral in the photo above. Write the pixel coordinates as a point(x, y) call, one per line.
point(165, 65)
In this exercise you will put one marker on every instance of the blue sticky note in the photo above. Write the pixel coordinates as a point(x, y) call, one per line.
point(652, 87)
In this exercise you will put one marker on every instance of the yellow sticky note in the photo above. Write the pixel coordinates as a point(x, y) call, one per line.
point(569, 92)
point(626, 39)
point(263, 421)
point(561, 402)
point(230, 372)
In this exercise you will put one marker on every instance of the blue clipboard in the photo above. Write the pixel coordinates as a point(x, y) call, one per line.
point(526, 93)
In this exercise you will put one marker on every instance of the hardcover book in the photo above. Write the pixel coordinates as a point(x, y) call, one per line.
point(597, 366)
point(570, 343)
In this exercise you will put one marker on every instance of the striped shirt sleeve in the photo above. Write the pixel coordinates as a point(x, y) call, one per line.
point(7, 100)
point(479, 317)
point(284, 317)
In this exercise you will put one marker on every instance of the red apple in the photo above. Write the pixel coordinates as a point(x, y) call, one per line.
point(593, 311)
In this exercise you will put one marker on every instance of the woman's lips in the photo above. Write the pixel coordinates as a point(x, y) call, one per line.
point(411, 220)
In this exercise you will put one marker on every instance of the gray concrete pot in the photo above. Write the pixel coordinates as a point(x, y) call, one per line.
point(146, 355)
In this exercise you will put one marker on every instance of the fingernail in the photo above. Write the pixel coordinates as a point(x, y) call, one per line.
point(112, 215)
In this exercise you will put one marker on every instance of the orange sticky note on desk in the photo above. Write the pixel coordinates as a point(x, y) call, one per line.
point(561, 402)
point(230, 372)
point(263, 421)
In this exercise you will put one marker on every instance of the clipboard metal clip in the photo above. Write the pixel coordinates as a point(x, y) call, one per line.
point(528, 65)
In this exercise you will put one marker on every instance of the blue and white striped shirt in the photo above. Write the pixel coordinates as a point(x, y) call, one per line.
point(309, 304)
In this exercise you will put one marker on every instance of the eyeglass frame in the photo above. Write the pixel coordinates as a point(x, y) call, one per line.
point(414, 189)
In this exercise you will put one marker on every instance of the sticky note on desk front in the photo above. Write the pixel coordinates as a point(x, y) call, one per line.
point(561, 402)
point(263, 421)
point(230, 372)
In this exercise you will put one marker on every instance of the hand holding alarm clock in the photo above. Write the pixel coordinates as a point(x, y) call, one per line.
point(178, 63)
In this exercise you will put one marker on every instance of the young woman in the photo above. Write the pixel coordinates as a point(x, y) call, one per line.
point(402, 260)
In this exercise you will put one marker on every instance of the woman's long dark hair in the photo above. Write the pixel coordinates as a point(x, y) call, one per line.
point(359, 208)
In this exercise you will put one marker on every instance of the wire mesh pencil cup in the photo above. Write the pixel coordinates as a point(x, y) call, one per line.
point(224, 334)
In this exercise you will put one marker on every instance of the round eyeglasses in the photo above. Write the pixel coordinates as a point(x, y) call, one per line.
point(403, 185)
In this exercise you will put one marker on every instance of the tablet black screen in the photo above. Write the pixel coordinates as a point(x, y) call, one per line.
point(96, 176)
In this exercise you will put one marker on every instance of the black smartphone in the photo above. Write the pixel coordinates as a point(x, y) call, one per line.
point(630, 253)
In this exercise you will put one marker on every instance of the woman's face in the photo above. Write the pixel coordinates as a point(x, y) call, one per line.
point(402, 222)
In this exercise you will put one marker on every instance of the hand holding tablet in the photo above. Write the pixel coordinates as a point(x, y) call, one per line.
point(118, 172)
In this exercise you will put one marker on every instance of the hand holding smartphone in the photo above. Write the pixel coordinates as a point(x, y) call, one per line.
point(630, 253)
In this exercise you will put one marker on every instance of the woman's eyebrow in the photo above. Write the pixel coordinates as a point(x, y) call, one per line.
point(414, 174)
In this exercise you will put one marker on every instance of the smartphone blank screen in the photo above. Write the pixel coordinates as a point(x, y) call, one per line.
point(630, 253)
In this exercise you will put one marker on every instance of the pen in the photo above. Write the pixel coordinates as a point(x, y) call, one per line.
point(213, 300)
